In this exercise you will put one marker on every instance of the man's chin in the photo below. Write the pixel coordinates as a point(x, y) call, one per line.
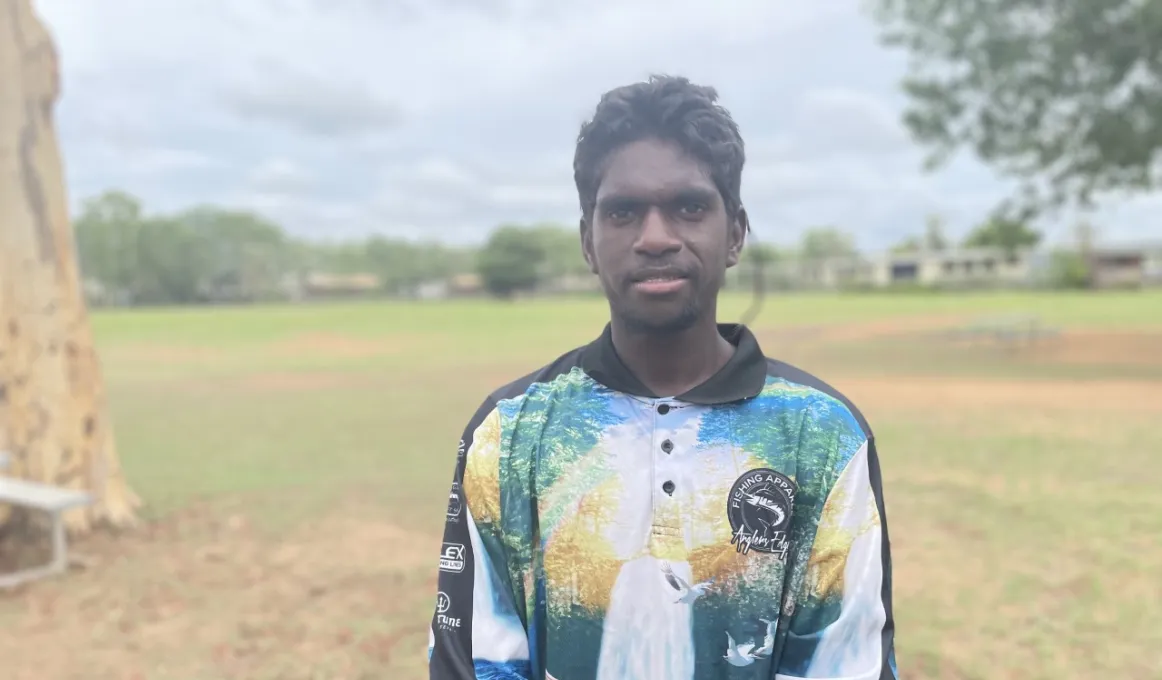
point(659, 322)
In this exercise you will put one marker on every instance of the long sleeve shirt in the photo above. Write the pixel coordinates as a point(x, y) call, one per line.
point(596, 530)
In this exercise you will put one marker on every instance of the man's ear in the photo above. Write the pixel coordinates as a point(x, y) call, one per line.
point(587, 244)
point(739, 227)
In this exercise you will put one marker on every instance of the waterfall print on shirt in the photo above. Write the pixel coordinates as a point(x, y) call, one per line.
point(673, 543)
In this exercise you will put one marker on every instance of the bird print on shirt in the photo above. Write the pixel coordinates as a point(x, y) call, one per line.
point(746, 654)
point(687, 593)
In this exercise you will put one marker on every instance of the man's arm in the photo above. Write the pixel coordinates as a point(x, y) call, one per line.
point(476, 630)
point(841, 622)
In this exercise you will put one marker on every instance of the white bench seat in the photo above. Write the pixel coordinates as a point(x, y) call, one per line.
point(45, 498)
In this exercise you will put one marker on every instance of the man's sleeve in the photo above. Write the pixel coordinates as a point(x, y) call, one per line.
point(476, 631)
point(841, 623)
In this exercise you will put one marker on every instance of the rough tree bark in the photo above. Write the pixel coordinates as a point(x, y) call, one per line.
point(53, 415)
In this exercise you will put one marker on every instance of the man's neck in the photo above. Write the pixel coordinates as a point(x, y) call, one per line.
point(671, 364)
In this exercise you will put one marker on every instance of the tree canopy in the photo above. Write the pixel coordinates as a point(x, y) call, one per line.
point(824, 242)
point(933, 240)
point(1064, 96)
point(1007, 234)
point(212, 254)
point(511, 260)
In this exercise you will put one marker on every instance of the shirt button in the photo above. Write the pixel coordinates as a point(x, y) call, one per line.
point(667, 446)
point(668, 487)
point(663, 409)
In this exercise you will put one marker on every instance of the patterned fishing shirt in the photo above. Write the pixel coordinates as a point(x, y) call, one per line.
point(598, 531)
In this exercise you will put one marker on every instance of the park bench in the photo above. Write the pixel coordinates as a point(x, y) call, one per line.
point(49, 499)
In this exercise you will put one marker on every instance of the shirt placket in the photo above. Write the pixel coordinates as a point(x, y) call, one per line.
point(665, 531)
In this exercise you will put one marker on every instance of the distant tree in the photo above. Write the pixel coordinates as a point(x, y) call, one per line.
point(403, 264)
point(200, 254)
point(344, 257)
point(824, 242)
point(1064, 97)
point(446, 261)
point(758, 266)
point(1085, 233)
point(1005, 233)
point(395, 261)
point(107, 230)
point(934, 239)
point(242, 255)
point(511, 261)
point(562, 248)
point(173, 261)
point(1068, 269)
point(761, 254)
point(1086, 236)
point(911, 244)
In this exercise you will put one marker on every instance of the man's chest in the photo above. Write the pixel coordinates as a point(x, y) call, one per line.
point(656, 486)
point(675, 520)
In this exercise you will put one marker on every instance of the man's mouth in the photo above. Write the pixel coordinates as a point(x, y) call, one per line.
point(659, 283)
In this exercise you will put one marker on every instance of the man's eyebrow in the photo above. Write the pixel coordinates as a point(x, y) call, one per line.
point(623, 201)
point(619, 201)
point(696, 194)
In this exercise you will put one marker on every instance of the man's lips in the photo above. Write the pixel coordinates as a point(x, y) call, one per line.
point(659, 283)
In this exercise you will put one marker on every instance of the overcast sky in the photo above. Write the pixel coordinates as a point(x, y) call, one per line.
point(338, 118)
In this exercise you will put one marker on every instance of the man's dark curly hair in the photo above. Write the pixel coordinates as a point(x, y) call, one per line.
point(670, 108)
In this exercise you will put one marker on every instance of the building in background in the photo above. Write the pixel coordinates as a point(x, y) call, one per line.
point(963, 268)
point(1126, 266)
point(324, 286)
point(954, 268)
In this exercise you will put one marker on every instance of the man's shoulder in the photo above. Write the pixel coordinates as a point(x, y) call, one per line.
point(562, 365)
point(795, 375)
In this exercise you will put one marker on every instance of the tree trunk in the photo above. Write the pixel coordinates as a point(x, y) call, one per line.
point(53, 415)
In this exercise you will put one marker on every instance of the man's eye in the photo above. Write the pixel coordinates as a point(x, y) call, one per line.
point(692, 209)
point(619, 214)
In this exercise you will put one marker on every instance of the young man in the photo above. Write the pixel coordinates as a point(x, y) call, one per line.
point(664, 503)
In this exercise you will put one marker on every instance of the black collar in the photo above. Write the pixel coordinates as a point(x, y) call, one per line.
point(742, 377)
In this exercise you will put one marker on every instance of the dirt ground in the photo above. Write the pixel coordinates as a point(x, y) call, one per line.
point(1098, 347)
point(1070, 347)
point(204, 594)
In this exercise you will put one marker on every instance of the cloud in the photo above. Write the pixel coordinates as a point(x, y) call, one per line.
point(280, 176)
point(311, 104)
point(848, 121)
point(412, 118)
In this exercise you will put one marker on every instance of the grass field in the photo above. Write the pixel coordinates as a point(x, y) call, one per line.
point(295, 461)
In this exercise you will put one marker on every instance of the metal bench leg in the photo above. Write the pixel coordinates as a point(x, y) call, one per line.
point(60, 557)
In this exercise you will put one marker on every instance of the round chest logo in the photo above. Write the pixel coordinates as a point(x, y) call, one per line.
point(759, 509)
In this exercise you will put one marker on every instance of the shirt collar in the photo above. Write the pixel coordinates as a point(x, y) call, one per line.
point(742, 377)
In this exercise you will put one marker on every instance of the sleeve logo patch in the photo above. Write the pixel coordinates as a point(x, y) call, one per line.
point(452, 558)
point(443, 606)
point(455, 506)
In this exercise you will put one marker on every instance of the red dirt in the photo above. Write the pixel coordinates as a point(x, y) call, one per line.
point(1102, 348)
point(204, 595)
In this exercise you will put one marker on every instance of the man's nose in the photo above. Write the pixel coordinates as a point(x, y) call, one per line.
point(656, 237)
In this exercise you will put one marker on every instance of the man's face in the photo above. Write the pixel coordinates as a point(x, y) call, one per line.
point(660, 238)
